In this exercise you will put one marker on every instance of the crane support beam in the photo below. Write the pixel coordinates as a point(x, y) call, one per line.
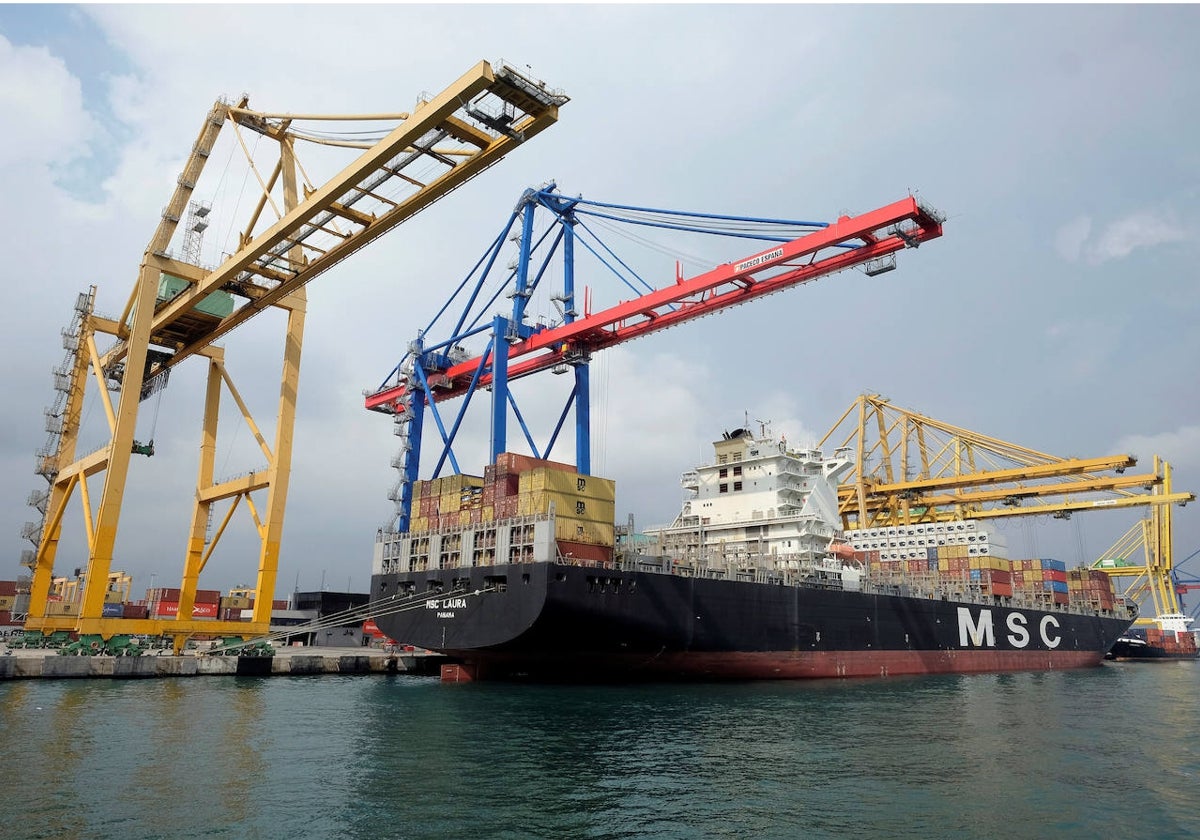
point(1093, 504)
point(1070, 466)
point(272, 252)
point(848, 494)
point(900, 225)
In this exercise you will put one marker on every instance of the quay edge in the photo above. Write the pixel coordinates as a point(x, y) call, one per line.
point(48, 665)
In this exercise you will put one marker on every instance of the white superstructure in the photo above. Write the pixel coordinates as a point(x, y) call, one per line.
point(756, 498)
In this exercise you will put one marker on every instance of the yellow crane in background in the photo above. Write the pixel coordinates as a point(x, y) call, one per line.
point(179, 309)
point(910, 468)
point(1143, 558)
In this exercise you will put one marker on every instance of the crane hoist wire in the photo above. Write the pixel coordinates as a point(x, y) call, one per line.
point(390, 605)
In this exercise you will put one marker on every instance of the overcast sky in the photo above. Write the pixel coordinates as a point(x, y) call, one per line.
point(1059, 310)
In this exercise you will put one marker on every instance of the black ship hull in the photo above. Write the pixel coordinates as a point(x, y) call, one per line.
point(552, 621)
point(1138, 650)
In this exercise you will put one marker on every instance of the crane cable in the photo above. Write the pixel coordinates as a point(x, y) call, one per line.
point(382, 607)
point(154, 418)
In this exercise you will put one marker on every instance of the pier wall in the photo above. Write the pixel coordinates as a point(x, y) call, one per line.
point(49, 665)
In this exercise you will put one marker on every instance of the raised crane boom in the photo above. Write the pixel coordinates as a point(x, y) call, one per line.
point(876, 235)
point(437, 370)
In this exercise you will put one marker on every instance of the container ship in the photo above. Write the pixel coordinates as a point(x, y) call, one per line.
point(522, 574)
point(1171, 639)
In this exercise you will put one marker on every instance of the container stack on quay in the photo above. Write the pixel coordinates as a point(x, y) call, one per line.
point(8, 600)
point(493, 519)
point(973, 559)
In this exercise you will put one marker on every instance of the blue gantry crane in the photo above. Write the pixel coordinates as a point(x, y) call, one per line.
point(468, 346)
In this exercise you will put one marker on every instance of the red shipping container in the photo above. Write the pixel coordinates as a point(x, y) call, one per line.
point(5, 618)
point(208, 596)
point(8, 587)
point(134, 611)
point(584, 552)
point(170, 609)
point(523, 463)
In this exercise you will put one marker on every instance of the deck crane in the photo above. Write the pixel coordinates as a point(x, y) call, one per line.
point(910, 469)
point(178, 309)
point(434, 371)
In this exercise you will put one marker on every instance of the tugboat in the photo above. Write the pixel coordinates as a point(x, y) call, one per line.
point(1171, 639)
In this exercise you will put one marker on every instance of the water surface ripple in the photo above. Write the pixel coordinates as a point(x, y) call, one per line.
point(1100, 753)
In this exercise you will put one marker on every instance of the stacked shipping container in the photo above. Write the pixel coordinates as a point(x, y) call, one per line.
point(8, 600)
point(966, 554)
point(455, 520)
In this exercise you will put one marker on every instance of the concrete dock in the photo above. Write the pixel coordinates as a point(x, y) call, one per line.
point(16, 664)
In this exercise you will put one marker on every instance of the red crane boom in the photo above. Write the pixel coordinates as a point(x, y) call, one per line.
point(882, 232)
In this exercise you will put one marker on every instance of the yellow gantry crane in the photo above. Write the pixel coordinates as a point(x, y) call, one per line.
point(179, 309)
point(1151, 539)
point(910, 468)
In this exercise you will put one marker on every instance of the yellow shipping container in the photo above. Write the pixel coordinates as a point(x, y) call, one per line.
point(566, 505)
point(7, 602)
point(583, 531)
point(418, 523)
point(449, 503)
point(458, 483)
point(560, 481)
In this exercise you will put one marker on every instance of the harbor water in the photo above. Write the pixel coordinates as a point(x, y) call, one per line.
point(1098, 753)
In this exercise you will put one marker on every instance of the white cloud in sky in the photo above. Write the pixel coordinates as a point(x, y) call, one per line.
point(1075, 241)
point(1180, 448)
point(1140, 230)
point(42, 107)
